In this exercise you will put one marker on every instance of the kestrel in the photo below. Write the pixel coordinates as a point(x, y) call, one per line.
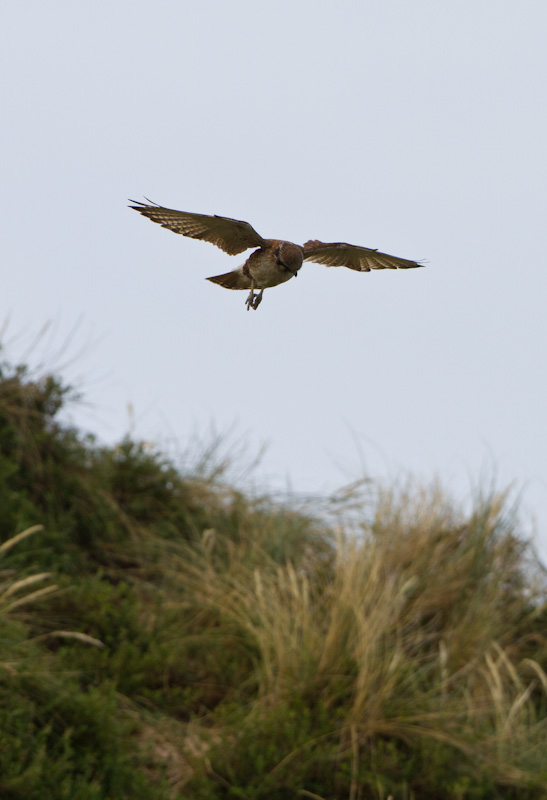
point(274, 261)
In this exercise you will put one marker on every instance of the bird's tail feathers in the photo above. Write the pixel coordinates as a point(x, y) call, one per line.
point(232, 280)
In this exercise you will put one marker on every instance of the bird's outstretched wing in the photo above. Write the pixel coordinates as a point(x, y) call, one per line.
point(362, 259)
point(231, 235)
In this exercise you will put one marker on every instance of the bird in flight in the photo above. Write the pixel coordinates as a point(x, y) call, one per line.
point(274, 261)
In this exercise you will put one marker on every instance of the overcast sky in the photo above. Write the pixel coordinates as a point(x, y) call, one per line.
point(417, 128)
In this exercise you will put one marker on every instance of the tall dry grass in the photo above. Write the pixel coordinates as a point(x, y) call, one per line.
point(419, 628)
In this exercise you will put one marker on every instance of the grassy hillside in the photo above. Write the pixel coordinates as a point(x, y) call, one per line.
point(163, 636)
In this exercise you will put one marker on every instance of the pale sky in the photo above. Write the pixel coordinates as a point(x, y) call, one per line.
point(417, 128)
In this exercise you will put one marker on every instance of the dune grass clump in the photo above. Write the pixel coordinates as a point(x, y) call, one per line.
point(411, 664)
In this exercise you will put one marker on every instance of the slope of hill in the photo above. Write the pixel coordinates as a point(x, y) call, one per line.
point(164, 636)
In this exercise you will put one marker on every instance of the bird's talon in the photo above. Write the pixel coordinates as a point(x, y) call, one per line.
point(254, 300)
point(257, 299)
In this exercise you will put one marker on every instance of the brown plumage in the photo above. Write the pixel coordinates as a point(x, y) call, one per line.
point(275, 261)
point(362, 259)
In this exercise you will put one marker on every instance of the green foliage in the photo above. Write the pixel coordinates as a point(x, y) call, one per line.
point(57, 741)
point(164, 636)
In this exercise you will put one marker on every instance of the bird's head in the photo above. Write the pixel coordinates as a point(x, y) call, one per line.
point(289, 256)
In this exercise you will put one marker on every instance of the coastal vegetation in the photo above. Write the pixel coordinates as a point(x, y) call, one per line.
point(165, 635)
